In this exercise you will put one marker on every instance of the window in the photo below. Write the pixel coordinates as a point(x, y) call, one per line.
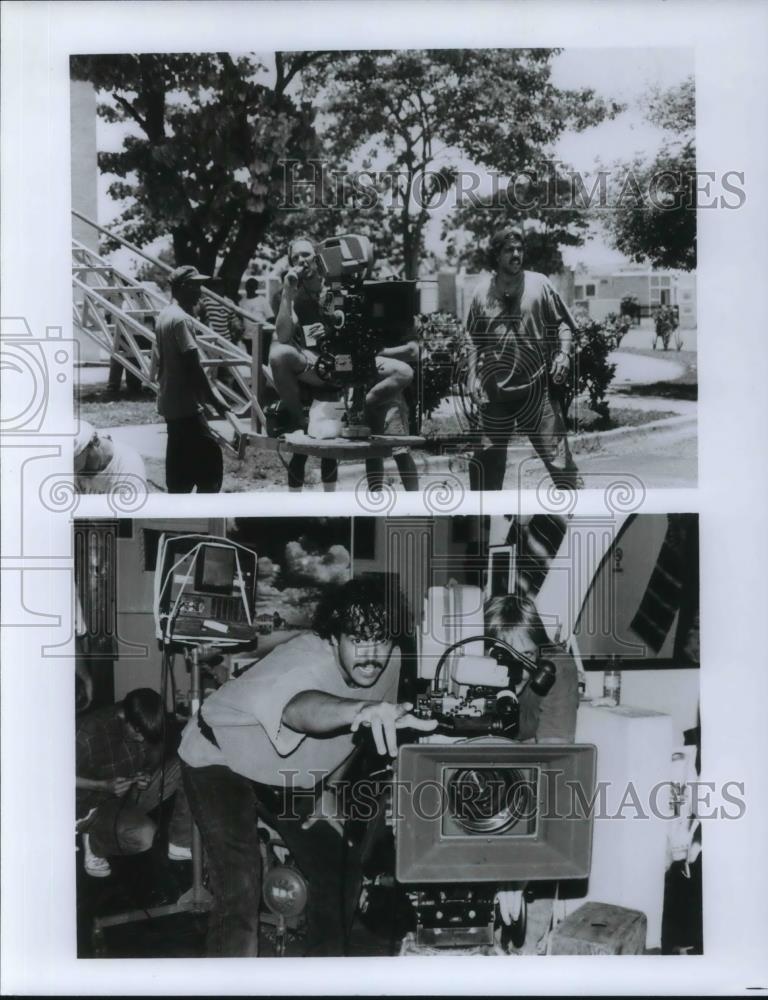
point(590, 290)
point(578, 291)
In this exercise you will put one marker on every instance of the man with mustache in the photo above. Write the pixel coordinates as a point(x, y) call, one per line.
point(266, 744)
point(519, 366)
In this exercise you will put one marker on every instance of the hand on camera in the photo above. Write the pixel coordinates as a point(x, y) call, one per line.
point(384, 719)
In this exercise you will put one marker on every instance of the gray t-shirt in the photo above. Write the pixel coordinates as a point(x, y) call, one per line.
point(246, 716)
point(517, 334)
point(177, 398)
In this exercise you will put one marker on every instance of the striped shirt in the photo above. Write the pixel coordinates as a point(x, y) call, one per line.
point(220, 317)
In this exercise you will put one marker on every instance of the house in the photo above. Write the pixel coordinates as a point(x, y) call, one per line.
point(600, 294)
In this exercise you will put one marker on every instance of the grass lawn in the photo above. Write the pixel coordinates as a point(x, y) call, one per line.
point(120, 413)
point(619, 416)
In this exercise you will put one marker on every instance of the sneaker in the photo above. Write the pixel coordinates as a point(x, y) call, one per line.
point(178, 853)
point(95, 866)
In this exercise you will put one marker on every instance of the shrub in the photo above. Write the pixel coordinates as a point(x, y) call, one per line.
point(445, 346)
point(593, 343)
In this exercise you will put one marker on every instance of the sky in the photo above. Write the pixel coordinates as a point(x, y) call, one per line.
point(624, 74)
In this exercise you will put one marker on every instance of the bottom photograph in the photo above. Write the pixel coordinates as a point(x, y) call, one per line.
point(387, 736)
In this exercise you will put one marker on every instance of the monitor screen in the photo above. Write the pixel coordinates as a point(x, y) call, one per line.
point(215, 570)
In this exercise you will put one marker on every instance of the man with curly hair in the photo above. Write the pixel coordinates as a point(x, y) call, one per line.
point(520, 361)
point(268, 743)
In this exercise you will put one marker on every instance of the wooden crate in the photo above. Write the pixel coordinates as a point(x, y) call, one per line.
point(600, 929)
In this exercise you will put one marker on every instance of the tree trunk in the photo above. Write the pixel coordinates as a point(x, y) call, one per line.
point(249, 236)
point(412, 240)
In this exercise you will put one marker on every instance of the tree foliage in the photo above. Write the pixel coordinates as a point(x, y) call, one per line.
point(210, 135)
point(548, 208)
point(423, 113)
point(203, 161)
point(652, 214)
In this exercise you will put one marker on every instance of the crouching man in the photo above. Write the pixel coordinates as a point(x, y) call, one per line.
point(122, 774)
point(267, 743)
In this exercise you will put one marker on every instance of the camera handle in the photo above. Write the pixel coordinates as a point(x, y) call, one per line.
point(541, 675)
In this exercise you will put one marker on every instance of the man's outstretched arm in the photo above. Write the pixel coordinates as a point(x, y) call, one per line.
point(316, 713)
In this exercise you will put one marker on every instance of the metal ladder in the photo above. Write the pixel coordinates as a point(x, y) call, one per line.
point(118, 313)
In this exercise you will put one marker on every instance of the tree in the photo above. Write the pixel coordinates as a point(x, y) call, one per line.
point(652, 213)
point(149, 272)
point(424, 111)
point(548, 208)
point(203, 160)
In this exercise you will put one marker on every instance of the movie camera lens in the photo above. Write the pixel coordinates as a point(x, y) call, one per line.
point(489, 800)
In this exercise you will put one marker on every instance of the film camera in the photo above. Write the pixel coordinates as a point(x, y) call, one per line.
point(360, 317)
point(477, 816)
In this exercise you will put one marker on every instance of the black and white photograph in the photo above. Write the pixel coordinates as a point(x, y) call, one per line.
point(321, 270)
point(493, 750)
point(441, 673)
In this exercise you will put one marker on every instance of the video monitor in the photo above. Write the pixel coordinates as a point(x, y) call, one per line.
point(215, 570)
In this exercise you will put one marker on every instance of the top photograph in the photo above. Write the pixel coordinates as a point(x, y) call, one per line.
point(381, 270)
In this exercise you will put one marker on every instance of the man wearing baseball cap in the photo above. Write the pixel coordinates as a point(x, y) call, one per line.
point(193, 457)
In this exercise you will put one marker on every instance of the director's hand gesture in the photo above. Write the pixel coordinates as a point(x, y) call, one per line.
point(384, 719)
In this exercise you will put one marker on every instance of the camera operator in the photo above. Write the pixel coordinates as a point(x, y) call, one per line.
point(520, 363)
point(193, 456)
point(551, 719)
point(269, 742)
point(292, 362)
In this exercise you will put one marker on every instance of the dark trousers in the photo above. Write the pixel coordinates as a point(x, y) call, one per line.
point(122, 826)
point(192, 457)
point(545, 427)
point(329, 470)
point(132, 382)
point(225, 807)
